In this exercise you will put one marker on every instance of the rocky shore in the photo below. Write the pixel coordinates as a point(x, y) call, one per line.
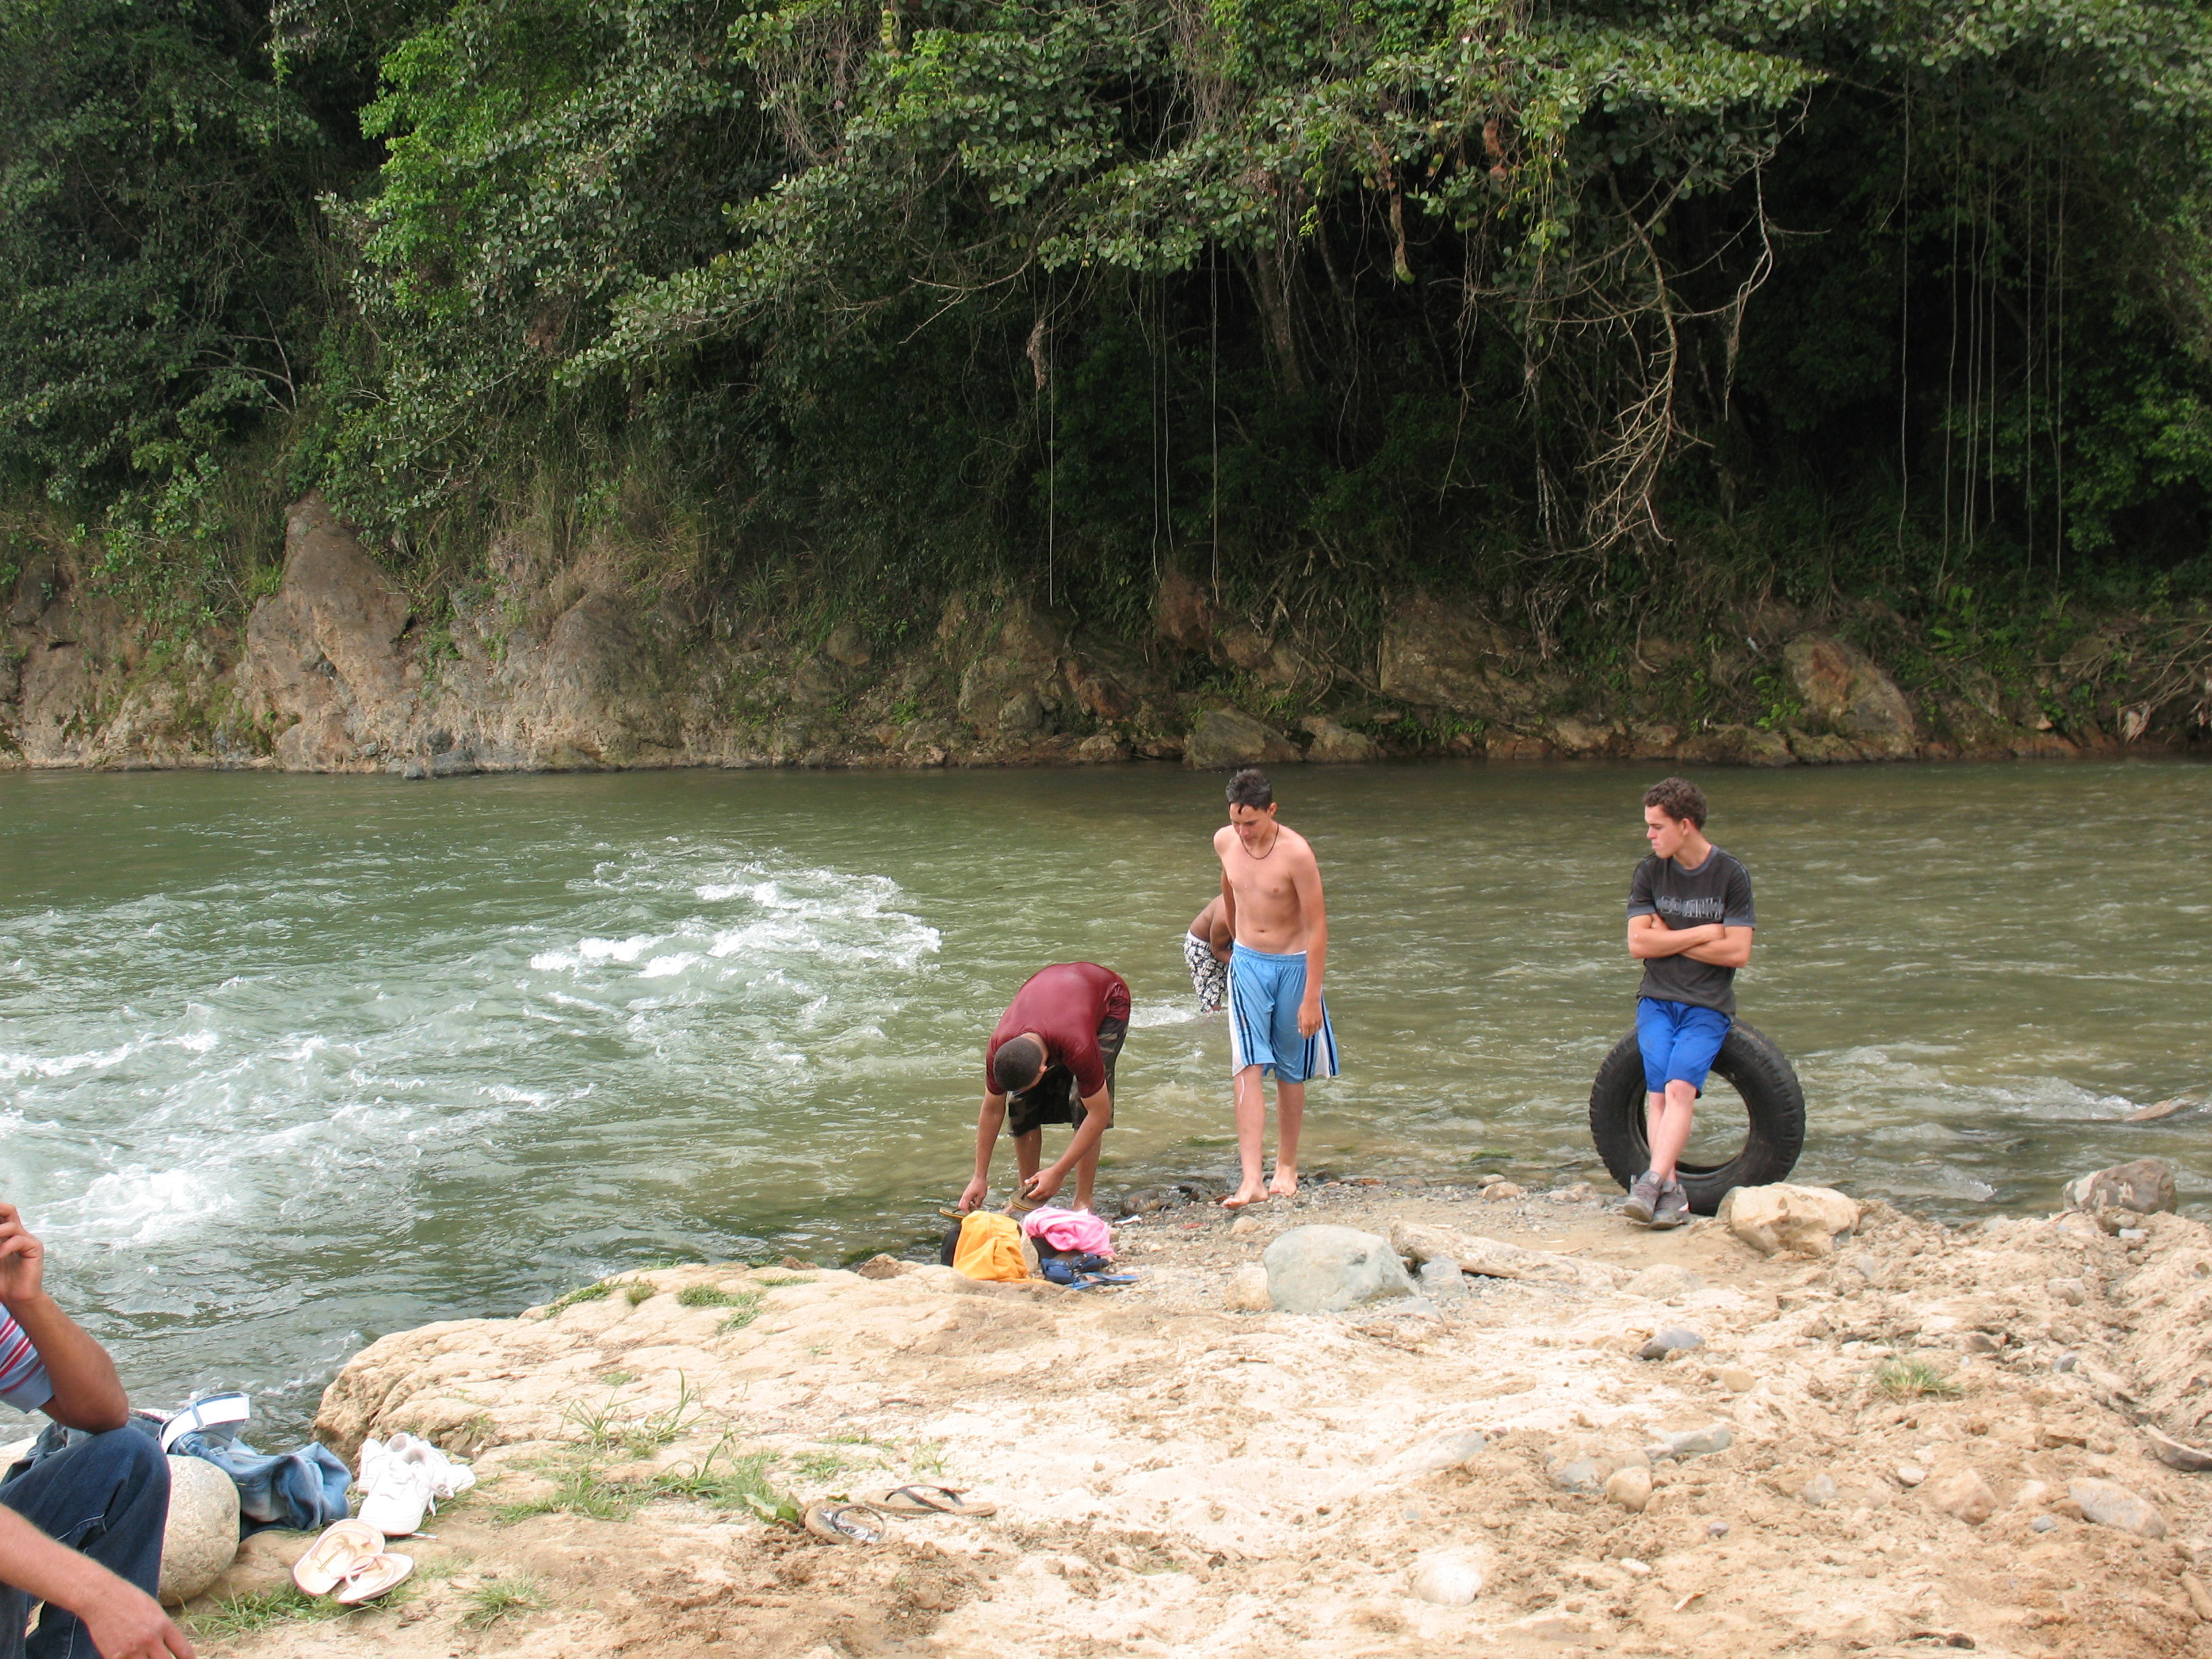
point(551, 664)
point(1813, 1426)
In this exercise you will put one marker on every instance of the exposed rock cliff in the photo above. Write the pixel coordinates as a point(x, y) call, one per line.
point(540, 667)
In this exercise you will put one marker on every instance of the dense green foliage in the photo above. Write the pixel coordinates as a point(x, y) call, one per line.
point(1595, 305)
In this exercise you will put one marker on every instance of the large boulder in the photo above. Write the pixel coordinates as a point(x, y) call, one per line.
point(1443, 656)
point(1841, 684)
point(1335, 744)
point(1182, 611)
point(602, 697)
point(202, 1534)
point(1326, 1269)
point(2143, 1187)
point(322, 653)
point(1735, 746)
point(1226, 737)
point(1783, 1218)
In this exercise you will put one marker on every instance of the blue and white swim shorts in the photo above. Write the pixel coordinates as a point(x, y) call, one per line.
point(1264, 994)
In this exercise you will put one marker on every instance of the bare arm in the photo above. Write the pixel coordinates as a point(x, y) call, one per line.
point(988, 1122)
point(1648, 937)
point(123, 1621)
point(1731, 950)
point(1306, 880)
point(88, 1395)
point(1097, 1118)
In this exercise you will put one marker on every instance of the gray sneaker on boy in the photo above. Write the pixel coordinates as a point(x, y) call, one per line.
point(1674, 1207)
point(1645, 1193)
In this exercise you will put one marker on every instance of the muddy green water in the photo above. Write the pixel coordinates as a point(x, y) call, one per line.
point(286, 1063)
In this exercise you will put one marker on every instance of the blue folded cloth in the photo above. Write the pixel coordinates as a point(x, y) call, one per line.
point(303, 1490)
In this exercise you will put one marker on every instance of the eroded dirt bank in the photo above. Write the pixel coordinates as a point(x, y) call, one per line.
point(552, 662)
point(1174, 1478)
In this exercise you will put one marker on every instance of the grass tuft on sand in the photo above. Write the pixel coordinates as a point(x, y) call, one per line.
point(499, 1599)
point(1901, 1377)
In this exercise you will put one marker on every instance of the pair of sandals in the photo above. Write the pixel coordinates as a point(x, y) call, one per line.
point(349, 1563)
point(861, 1523)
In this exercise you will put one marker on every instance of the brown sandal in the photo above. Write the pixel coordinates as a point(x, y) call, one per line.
point(925, 1500)
point(842, 1523)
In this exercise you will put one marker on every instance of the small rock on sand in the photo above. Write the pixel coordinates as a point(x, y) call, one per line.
point(1662, 1279)
point(1670, 1341)
point(1580, 1475)
point(2111, 1504)
point(2043, 1523)
point(1449, 1577)
point(2175, 1454)
point(1630, 1488)
point(1325, 1269)
point(2072, 1291)
point(1693, 1443)
point(1800, 1220)
point(1820, 1491)
point(1963, 1495)
point(1442, 1452)
point(1244, 1226)
point(1736, 1380)
point(2143, 1187)
point(1248, 1290)
point(1911, 1474)
point(1440, 1276)
point(884, 1266)
point(1504, 1189)
point(2200, 1596)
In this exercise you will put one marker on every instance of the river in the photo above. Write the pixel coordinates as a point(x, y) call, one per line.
point(288, 1062)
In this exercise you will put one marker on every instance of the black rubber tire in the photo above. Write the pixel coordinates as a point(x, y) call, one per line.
point(1773, 1100)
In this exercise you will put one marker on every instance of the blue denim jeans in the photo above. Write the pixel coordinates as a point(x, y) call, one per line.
point(108, 1496)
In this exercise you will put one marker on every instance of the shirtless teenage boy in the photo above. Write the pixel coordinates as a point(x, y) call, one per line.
point(1271, 897)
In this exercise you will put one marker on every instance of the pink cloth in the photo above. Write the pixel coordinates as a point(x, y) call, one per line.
point(1069, 1229)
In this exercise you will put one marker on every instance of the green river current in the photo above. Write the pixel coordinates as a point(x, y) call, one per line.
point(289, 1062)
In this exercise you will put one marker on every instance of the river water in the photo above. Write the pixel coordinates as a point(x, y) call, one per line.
point(287, 1063)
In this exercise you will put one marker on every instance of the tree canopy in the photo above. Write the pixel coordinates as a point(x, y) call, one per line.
point(1320, 293)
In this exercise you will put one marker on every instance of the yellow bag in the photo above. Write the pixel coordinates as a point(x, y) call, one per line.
point(990, 1248)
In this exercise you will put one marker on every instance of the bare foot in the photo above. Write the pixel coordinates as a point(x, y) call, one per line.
point(1285, 1185)
point(1250, 1192)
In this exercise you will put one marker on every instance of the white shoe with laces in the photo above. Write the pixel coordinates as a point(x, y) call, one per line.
point(402, 1478)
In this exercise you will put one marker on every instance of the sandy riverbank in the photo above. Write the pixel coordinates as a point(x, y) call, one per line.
point(1174, 1478)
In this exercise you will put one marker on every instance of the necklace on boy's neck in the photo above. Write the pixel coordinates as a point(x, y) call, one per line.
point(1258, 858)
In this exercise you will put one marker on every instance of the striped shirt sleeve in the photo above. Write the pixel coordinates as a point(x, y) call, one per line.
point(24, 1381)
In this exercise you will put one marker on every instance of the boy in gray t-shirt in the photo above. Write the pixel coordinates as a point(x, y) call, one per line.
point(1690, 924)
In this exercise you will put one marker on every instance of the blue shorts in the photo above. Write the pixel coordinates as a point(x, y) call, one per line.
point(1679, 1041)
point(1264, 994)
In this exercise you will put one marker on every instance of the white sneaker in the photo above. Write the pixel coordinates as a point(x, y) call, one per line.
point(449, 1476)
point(402, 1477)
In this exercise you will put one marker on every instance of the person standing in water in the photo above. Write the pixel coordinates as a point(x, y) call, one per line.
point(1690, 924)
point(1205, 953)
point(1051, 1060)
point(1271, 898)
